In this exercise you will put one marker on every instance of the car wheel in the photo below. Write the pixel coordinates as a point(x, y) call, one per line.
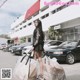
point(70, 59)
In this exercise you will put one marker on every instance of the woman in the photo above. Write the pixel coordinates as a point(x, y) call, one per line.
point(38, 43)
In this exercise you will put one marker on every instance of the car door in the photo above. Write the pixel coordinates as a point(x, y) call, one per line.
point(78, 52)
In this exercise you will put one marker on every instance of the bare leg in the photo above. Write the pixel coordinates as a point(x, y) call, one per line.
point(40, 62)
point(34, 55)
point(37, 55)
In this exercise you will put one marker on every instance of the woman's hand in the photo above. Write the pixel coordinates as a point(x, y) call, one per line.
point(33, 48)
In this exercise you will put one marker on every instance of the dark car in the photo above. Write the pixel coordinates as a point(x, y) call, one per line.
point(7, 48)
point(18, 50)
point(69, 52)
point(13, 48)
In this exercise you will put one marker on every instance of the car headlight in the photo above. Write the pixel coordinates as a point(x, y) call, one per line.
point(58, 53)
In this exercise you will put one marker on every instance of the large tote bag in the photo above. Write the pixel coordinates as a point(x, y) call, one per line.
point(52, 70)
point(21, 69)
point(25, 69)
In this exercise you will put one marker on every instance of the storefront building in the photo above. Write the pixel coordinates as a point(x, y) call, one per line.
point(66, 16)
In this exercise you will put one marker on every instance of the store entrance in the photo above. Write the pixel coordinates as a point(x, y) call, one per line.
point(72, 33)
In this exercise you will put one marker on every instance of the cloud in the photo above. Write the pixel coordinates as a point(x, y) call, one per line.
point(11, 10)
point(18, 6)
point(10, 13)
point(1, 31)
point(5, 22)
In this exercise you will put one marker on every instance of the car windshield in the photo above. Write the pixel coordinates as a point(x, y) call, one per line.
point(71, 44)
point(53, 42)
point(64, 43)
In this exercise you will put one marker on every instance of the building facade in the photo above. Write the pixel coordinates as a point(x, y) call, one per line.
point(59, 16)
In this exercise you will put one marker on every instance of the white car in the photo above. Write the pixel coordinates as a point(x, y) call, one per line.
point(51, 44)
point(27, 49)
point(3, 46)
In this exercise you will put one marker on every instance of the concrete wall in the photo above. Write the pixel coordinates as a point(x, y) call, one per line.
point(72, 23)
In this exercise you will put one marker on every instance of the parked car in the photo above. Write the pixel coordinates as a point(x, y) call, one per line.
point(47, 45)
point(27, 49)
point(7, 48)
point(3, 46)
point(19, 48)
point(51, 44)
point(13, 48)
point(69, 52)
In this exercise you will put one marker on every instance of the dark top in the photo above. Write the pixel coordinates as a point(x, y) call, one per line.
point(38, 37)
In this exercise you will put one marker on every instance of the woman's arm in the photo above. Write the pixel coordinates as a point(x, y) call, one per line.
point(37, 38)
point(33, 38)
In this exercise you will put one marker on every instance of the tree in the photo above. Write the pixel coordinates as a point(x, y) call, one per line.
point(55, 34)
point(4, 36)
point(23, 39)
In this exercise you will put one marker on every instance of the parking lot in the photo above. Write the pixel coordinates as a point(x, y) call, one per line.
point(8, 60)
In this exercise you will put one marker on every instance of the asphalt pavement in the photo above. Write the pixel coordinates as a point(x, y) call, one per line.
point(8, 60)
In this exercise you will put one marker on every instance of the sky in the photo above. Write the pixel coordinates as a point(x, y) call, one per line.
point(10, 11)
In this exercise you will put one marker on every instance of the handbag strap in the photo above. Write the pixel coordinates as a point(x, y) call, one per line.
point(29, 68)
point(28, 58)
point(26, 55)
point(23, 58)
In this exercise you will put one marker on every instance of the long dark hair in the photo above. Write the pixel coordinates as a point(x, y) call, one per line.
point(40, 28)
point(40, 25)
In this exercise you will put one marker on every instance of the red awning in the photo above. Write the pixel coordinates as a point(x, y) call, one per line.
point(34, 8)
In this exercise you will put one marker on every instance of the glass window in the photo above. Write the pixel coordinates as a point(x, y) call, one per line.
point(79, 43)
point(72, 33)
point(54, 11)
point(58, 9)
point(43, 17)
point(29, 24)
point(71, 44)
point(24, 21)
point(20, 28)
point(29, 39)
point(24, 26)
point(46, 15)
